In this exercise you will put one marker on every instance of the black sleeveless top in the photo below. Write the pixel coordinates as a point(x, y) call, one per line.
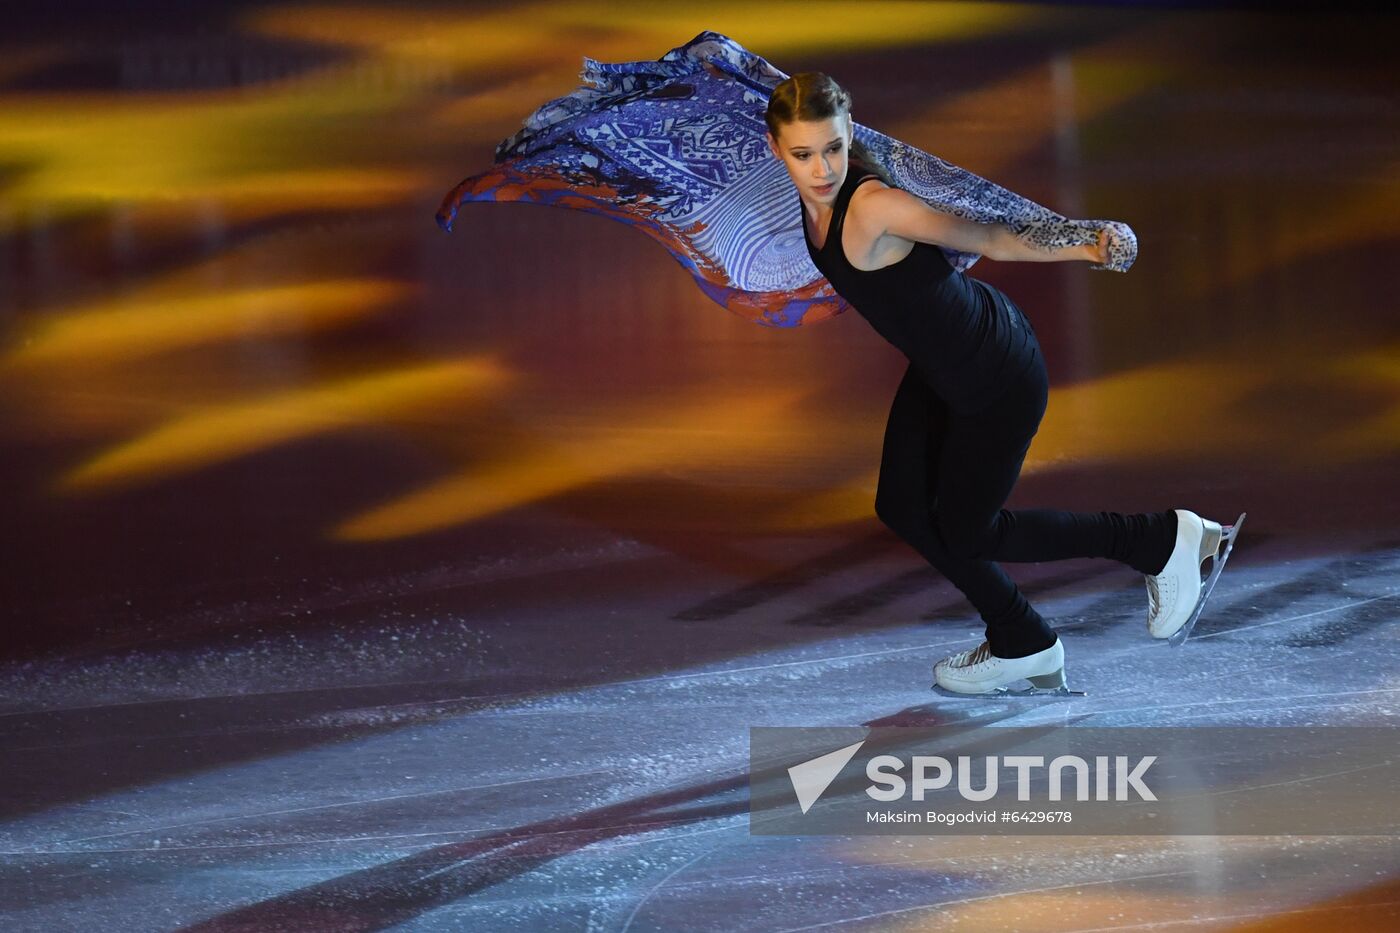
point(968, 340)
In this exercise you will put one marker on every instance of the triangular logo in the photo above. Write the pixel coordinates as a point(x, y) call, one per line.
point(811, 778)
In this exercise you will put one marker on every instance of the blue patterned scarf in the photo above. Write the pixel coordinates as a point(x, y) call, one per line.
point(676, 148)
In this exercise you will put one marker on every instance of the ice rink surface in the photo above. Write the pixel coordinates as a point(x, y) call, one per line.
point(593, 776)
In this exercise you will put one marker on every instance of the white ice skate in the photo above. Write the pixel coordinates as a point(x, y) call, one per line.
point(1176, 596)
point(979, 672)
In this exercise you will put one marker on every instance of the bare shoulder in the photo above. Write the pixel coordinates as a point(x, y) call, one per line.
point(867, 186)
point(870, 201)
point(876, 207)
point(868, 244)
point(881, 197)
point(896, 214)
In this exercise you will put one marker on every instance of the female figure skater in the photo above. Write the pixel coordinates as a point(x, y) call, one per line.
point(675, 148)
point(970, 402)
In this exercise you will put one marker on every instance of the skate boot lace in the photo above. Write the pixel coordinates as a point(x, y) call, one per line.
point(972, 656)
point(1154, 597)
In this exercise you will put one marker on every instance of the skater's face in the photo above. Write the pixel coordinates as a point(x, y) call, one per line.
point(814, 152)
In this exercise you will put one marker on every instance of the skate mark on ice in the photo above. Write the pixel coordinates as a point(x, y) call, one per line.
point(475, 831)
point(1324, 583)
point(938, 905)
point(844, 872)
point(1329, 695)
point(776, 665)
point(1246, 788)
point(1356, 621)
point(324, 806)
point(1306, 615)
point(627, 925)
point(1086, 714)
point(948, 863)
point(404, 888)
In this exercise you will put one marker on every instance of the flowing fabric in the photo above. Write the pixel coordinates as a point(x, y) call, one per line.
point(676, 148)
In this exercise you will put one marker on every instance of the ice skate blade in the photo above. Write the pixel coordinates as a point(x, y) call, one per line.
point(1006, 692)
point(1227, 536)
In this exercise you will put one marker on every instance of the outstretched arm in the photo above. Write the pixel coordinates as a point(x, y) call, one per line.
point(905, 215)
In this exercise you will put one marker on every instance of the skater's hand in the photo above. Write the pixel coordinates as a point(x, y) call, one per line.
point(1115, 243)
point(1099, 250)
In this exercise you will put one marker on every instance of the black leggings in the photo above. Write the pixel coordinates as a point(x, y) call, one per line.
point(944, 476)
